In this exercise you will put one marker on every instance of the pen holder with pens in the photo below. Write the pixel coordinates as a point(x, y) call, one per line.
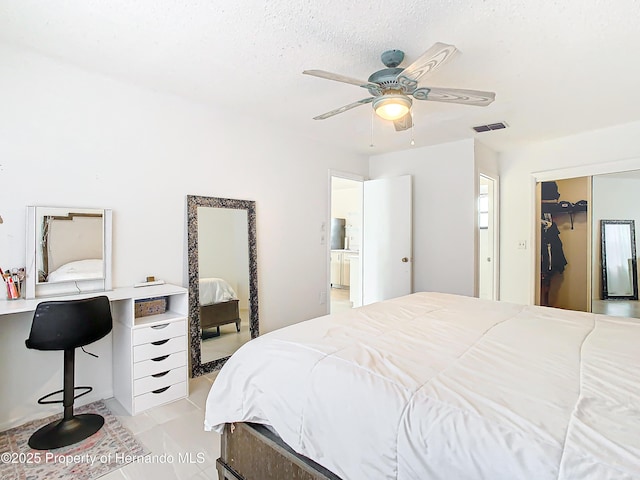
point(13, 282)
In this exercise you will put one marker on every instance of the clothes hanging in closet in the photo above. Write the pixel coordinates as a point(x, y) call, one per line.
point(553, 259)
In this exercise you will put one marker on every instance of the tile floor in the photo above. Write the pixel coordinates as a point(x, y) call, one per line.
point(227, 343)
point(176, 431)
point(617, 308)
point(340, 300)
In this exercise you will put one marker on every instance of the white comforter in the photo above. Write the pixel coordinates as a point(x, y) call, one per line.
point(215, 290)
point(436, 386)
point(89, 269)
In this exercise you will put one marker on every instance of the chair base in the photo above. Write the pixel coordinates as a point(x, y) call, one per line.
point(62, 433)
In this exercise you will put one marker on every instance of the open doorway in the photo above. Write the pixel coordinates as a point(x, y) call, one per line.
point(487, 238)
point(345, 237)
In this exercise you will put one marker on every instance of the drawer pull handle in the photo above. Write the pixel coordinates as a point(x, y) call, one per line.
point(160, 390)
point(158, 375)
point(159, 359)
point(160, 342)
point(159, 327)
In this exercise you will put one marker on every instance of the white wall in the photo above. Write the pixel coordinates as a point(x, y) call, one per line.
point(444, 201)
point(601, 151)
point(486, 160)
point(71, 138)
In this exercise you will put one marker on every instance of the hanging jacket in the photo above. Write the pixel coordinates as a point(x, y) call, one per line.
point(553, 259)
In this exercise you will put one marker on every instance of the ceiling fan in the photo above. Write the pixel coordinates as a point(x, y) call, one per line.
point(393, 87)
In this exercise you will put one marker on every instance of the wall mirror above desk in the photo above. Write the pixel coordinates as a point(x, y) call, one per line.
point(68, 250)
point(223, 283)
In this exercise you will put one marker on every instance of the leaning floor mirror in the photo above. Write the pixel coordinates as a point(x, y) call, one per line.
point(619, 274)
point(223, 280)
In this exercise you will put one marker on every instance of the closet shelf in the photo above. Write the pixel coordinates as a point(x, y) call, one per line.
point(565, 207)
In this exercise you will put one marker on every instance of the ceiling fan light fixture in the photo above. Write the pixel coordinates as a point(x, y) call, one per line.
point(392, 106)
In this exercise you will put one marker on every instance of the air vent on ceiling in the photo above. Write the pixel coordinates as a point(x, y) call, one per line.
point(491, 126)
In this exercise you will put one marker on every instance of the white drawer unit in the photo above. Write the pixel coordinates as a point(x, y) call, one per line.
point(150, 353)
point(158, 381)
point(156, 333)
point(161, 364)
point(160, 348)
point(162, 395)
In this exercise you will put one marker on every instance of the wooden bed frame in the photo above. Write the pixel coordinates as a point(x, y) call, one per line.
point(253, 452)
point(217, 314)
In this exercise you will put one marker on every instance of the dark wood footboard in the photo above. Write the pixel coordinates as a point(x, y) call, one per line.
point(217, 314)
point(253, 452)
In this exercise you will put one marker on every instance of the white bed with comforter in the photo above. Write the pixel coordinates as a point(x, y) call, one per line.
point(89, 269)
point(438, 386)
point(215, 290)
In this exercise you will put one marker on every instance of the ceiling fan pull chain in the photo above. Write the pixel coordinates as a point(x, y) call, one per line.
point(413, 127)
point(372, 115)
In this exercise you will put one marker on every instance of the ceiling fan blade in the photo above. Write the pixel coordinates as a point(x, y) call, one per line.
point(403, 123)
point(427, 62)
point(455, 95)
point(373, 87)
point(364, 101)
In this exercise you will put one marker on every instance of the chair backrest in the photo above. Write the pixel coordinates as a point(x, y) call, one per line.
point(64, 324)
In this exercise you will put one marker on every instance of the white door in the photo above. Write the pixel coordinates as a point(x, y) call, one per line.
point(487, 239)
point(387, 244)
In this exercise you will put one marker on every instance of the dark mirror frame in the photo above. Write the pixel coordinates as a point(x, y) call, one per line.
point(634, 272)
point(193, 202)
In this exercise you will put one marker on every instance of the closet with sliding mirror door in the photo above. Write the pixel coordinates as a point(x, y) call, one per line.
point(223, 280)
point(569, 245)
point(616, 209)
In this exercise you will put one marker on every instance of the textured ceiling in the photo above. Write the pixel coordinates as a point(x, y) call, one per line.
point(557, 67)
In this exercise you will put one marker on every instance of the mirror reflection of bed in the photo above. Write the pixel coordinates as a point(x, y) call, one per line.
point(71, 246)
point(68, 250)
point(221, 319)
point(223, 267)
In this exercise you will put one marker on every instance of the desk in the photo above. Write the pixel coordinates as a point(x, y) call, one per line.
point(28, 374)
point(127, 293)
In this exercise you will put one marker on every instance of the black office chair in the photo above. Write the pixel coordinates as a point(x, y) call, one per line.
point(66, 325)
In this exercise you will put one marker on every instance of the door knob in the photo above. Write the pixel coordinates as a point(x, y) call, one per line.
point(405, 259)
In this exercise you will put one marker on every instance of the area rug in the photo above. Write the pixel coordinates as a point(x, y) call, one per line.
point(112, 447)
